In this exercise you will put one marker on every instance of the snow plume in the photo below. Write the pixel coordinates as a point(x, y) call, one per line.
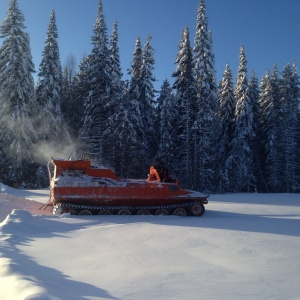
point(69, 149)
point(45, 150)
point(64, 147)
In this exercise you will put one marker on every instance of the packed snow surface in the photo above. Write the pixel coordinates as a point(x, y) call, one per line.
point(246, 246)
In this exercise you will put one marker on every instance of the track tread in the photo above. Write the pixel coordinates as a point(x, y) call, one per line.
point(60, 207)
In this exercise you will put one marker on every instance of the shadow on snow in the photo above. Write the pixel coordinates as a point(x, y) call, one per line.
point(20, 228)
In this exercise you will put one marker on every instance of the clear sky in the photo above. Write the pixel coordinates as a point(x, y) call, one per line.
point(269, 30)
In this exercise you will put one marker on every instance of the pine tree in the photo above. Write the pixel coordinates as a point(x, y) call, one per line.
point(148, 92)
point(127, 130)
point(81, 92)
point(42, 180)
point(254, 93)
point(17, 98)
point(226, 128)
point(166, 120)
point(95, 103)
point(117, 86)
point(147, 98)
point(115, 104)
point(133, 103)
point(136, 66)
point(69, 105)
point(255, 144)
point(51, 123)
point(242, 157)
point(296, 104)
point(289, 91)
point(205, 127)
point(270, 131)
point(298, 150)
point(185, 98)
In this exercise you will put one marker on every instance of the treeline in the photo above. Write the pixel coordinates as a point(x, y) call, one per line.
point(240, 136)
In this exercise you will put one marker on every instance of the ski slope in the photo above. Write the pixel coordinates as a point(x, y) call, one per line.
point(246, 246)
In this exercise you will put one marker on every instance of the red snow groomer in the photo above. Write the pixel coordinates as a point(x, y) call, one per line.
point(81, 189)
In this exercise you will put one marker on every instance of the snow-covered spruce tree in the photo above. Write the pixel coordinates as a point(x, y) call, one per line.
point(17, 98)
point(127, 131)
point(206, 124)
point(95, 103)
point(241, 158)
point(69, 106)
point(185, 97)
point(298, 148)
point(115, 107)
point(256, 144)
point(166, 120)
point(80, 91)
point(147, 99)
point(289, 92)
point(270, 135)
point(296, 93)
point(139, 155)
point(226, 128)
point(116, 85)
point(48, 92)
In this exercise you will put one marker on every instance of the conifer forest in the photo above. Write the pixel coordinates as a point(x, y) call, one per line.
point(235, 135)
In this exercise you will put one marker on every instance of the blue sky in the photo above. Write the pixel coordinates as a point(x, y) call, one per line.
point(269, 29)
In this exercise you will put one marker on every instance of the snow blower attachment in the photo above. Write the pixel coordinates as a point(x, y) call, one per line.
point(79, 188)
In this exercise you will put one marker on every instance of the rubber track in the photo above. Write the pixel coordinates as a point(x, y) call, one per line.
point(117, 208)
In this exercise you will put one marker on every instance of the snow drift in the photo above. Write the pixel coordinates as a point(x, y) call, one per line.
point(246, 246)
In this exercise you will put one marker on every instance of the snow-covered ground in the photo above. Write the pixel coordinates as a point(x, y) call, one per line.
point(246, 246)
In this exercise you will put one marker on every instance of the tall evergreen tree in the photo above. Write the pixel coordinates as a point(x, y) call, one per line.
point(226, 128)
point(141, 99)
point(68, 104)
point(95, 103)
point(254, 93)
point(289, 91)
point(147, 98)
point(148, 91)
point(205, 126)
point(298, 150)
point(81, 92)
point(185, 98)
point(17, 98)
point(116, 86)
point(135, 71)
point(270, 131)
point(115, 104)
point(242, 157)
point(51, 123)
point(256, 144)
point(296, 102)
point(139, 154)
point(166, 120)
point(127, 132)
